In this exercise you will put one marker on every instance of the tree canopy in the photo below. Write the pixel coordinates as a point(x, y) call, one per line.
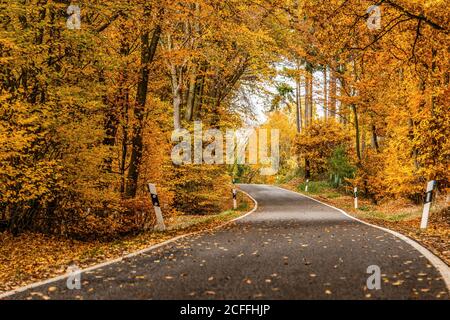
point(86, 114)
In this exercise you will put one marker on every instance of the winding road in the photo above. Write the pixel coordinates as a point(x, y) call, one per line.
point(291, 247)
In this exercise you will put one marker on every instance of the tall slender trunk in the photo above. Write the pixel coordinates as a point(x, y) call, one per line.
point(415, 152)
point(357, 133)
point(307, 100)
point(199, 91)
point(332, 94)
point(191, 95)
point(125, 124)
point(298, 99)
point(193, 78)
point(148, 50)
point(176, 99)
point(363, 140)
point(325, 92)
point(112, 120)
point(436, 82)
point(375, 144)
point(310, 96)
point(308, 110)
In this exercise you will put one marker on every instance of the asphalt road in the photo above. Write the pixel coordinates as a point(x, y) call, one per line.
point(291, 247)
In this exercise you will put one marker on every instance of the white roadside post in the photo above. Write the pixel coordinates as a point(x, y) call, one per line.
point(306, 186)
point(427, 203)
point(160, 226)
point(234, 199)
point(355, 195)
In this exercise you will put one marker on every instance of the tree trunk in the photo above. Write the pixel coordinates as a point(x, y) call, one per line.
point(176, 99)
point(310, 96)
point(307, 100)
point(307, 169)
point(332, 95)
point(148, 50)
point(123, 160)
point(112, 120)
point(375, 139)
point(191, 95)
point(325, 92)
point(199, 91)
point(193, 79)
point(298, 99)
point(357, 139)
point(363, 140)
point(415, 152)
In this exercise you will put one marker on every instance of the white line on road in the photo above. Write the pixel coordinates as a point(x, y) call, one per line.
point(133, 254)
point(440, 265)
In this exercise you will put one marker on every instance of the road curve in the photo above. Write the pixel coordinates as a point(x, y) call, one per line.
point(291, 247)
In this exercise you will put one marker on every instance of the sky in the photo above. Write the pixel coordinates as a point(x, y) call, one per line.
point(260, 101)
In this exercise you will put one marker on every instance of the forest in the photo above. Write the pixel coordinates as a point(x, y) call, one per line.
point(91, 91)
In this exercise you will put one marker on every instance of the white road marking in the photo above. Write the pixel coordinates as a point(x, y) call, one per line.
point(133, 254)
point(440, 265)
point(435, 261)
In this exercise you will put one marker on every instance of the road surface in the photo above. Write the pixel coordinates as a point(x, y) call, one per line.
point(291, 247)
